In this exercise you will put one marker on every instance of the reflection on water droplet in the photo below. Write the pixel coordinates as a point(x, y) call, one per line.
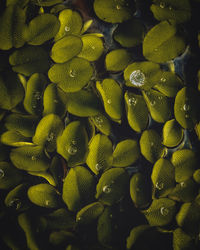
point(1, 174)
point(109, 101)
point(162, 5)
point(98, 166)
point(15, 203)
point(137, 78)
point(106, 189)
point(163, 79)
point(152, 103)
point(37, 95)
point(186, 107)
point(132, 101)
point(33, 158)
point(67, 28)
point(50, 137)
point(72, 73)
point(164, 211)
point(182, 184)
point(47, 202)
point(118, 7)
point(98, 120)
point(159, 185)
point(72, 150)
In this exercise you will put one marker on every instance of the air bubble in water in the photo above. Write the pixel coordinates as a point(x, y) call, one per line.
point(1, 174)
point(72, 150)
point(164, 211)
point(137, 78)
point(106, 189)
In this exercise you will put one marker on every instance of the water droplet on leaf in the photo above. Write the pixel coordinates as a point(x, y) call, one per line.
point(47, 202)
point(106, 189)
point(118, 7)
point(1, 174)
point(72, 73)
point(72, 150)
point(50, 137)
point(37, 95)
point(137, 78)
point(67, 28)
point(162, 5)
point(186, 107)
point(15, 203)
point(132, 101)
point(159, 185)
point(33, 158)
point(98, 166)
point(163, 79)
point(164, 211)
point(109, 101)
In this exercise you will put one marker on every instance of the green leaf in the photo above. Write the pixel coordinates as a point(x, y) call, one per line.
point(185, 107)
point(33, 99)
point(126, 153)
point(112, 186)
point(24, 124)
point(99, 157)
point(185, 191)
point(169, 84)
point(181, 240)
point(43, 195)
point(163, 178)
point(188, 218)
point(47, 131)
point(130, 34)
point(92, 47)
point(117, 60)
point(86, 26)
point(15, 139)
point(12, 91)
point(136, 111)
point(46, 2)
point(160, 107)
point(72, 75)
point(185, 163)
point(142, 75)
point(161, 212)
point(70, 23)
point(20, 3)
point(54, 101)
point(17, 198)
point(102, 123)
point(112, 96)
point(60, 219)
point(58, 238)
point(73, 143)
point(89, 213)
point(139, 191)
point(113, 11)
point(171, 10)
point(78, 188)
point(9, 176)
point(29, 158)
point(172, 133)
point(196, 176)
point(29, 60)
point(83, 103)
point(41, 29)
point(151, 145)
point(44, 174)
point(12, 23)
point(163, 43)
point(25, 221)
point(66, 48)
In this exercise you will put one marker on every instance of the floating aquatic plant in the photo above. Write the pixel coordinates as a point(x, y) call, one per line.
point(99, 124)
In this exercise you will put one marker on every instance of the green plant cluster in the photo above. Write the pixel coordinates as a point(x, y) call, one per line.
point(99, 125)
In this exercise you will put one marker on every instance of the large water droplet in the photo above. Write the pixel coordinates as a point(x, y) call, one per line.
point(186, 107)
point(72, 150)
point(137, 78)
point(15, 203)
point(106, 189)
point(72, 73)
point(50, 137)
point(164, 211)
point(67, 28)
point(159, 185)
point(132, 101)
point(1, 174)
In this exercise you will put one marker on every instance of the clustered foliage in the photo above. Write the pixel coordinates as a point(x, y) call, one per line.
point(99, 124)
